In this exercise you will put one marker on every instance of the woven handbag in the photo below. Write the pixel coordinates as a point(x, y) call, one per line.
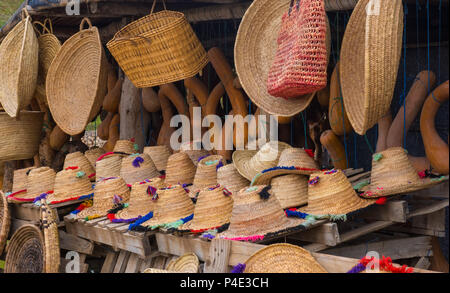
point(300, 64)
point(157, 49)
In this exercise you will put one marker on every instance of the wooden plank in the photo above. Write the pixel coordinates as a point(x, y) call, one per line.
point(121, 262)
point(110, 262)
point(171, 244)
point(159, 262)
point(417, 231)
point(16, 224)
point(359, 177)
point(438, 261)
point(94, 222)
point(84, 267)
point(440, 191)
point(394, 211)
point(103, 223)
point(395, 249)
point(327, 234)
point(351, 172)
point(423, 263)
point(134, 263)
point(287, 234)
point(438, 205)
point(73, 243)
point(219, 253)
point(23, 212)
point(113, 226)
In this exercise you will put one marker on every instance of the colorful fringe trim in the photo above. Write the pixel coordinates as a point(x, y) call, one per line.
point(360, 185)
point(238, 269)
point(113, 219)
point(175, 224)
point(82, 206)
point(248, 238)
point(385, 264)
point(136, 225)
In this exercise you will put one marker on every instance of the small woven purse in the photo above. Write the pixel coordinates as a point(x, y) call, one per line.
point(300, 64)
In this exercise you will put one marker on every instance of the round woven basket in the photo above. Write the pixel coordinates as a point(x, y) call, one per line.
point(49, 46)
point(249, 162)
point(159, 154)
point(370, 56)
point(77, 159)
point(76, 80)
point(20, 137)
point(51, 239)
point(108, 167)
point(290, 190)
point(194, 154)
point(206, 173)
point(19, 66)
point(253, 217)
point(125, 146)
point(229, 177)
point(93, 154)
point(26, 251)
point(5, 221)
point(39, 181)
point(180, 169)
point(20, 179)
point(157, 49)
point(105, 192)
point(70, 184)
point(212, 210)
point(283, 258)
point(138, 168)
point(187, 263)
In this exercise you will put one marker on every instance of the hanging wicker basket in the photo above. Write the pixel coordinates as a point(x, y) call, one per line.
point(76, 81)
point(18, 66)
point(157, 49)
point(20, 138)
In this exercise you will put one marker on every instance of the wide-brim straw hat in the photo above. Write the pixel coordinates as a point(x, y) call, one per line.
point(187, 263)
point(125, 146)
point(180, 169)
point(251, 162)
point(49, 219)
point(76, 80)
point(70, 184)
point(292, 161)
point(194, 150)
point(108, 166)
point(93, 154)
point(212, 210)
point(229, 177)
point(105, 193)
point(283, 258)
point(254, 51)
point(137, 168)
point(19, 63)
point(171, 207)
point(24, 135)
point(392, 173)
point(159, 154)
point(79, 160)
point(255, 217)
point(206, 173)
point(26, 251)
point(39, 181)
point(369, 61)
point(141, 202)
point(20, 178)
point(290, 190)
point(5, 221)
point(331, 195)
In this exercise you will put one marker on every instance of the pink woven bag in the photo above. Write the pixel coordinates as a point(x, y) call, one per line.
point(300, 63)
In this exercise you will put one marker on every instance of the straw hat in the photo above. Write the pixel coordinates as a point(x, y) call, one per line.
point(19, 66)
point(107, 193)
point(194, 154)
point(137, 168)
point(212, 210)
point(51, 239)
point(283, 258)
point(251, 162)
point(331, 195)
point(172, 207)
point(370, 57)
point(159, 155)
point(290, 190)
point(125, 146)
point(93, 154)
point(180, 169)
point(206, 174)
point(292, 161)
point(187, 263)
point(254, 51)
point(26, 251)
point(141, 202)
point(392, 173)
point(229, 177)
point(20, 179)
point(70, 184)
point(39, 181)
point(5, 221)
point(108, 166)
point(80, 160)
point(255, 216)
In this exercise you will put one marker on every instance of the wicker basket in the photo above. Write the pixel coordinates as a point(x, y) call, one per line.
point(20, 137)
point(18, 66)
point(157, 49)
point(76, 81)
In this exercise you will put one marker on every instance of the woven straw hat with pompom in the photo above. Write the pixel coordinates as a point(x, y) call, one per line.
point(229, 177)
point(80, 160)
point(70, 184)
point(40, 180)
point(180, 169)
point(93, 154)
point(125, 146)
point(194, 150)
point(159, 154)
point(19, 188)
point(290, 190)
point(137, 168)
point(108, 166)
point(206, 174)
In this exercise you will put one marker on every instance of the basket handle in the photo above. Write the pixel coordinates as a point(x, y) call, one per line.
point(154, 4)
point(85, 20)
point(24, 13)
point(45, 29)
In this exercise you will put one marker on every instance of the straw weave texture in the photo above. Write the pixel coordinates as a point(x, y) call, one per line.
point(51, 239)
point(180, 169)
point(290, 190)
point(132, 174)
point(187, 263)
point(40, 180)
point(229, 177)
point(5, 221)
point(77, 159)
point(69, 185)
point(159, 155)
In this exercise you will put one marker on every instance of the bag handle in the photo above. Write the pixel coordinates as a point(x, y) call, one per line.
point(154, 5)
point(45, 29)
point(85, 20)
point(24, 13)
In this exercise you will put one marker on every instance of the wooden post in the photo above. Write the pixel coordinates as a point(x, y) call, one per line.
point(219, 253)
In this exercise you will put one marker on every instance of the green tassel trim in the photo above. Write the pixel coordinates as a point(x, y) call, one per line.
point(406, 151)
point(252, 189)
point(377, 157)
point(254, 178)
point(209, 163)
point(125, 205)
point(136, 147)
point(80, 174)
point(439, 179)
point(333, 218)
point(172, 225)
point(360, 185)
